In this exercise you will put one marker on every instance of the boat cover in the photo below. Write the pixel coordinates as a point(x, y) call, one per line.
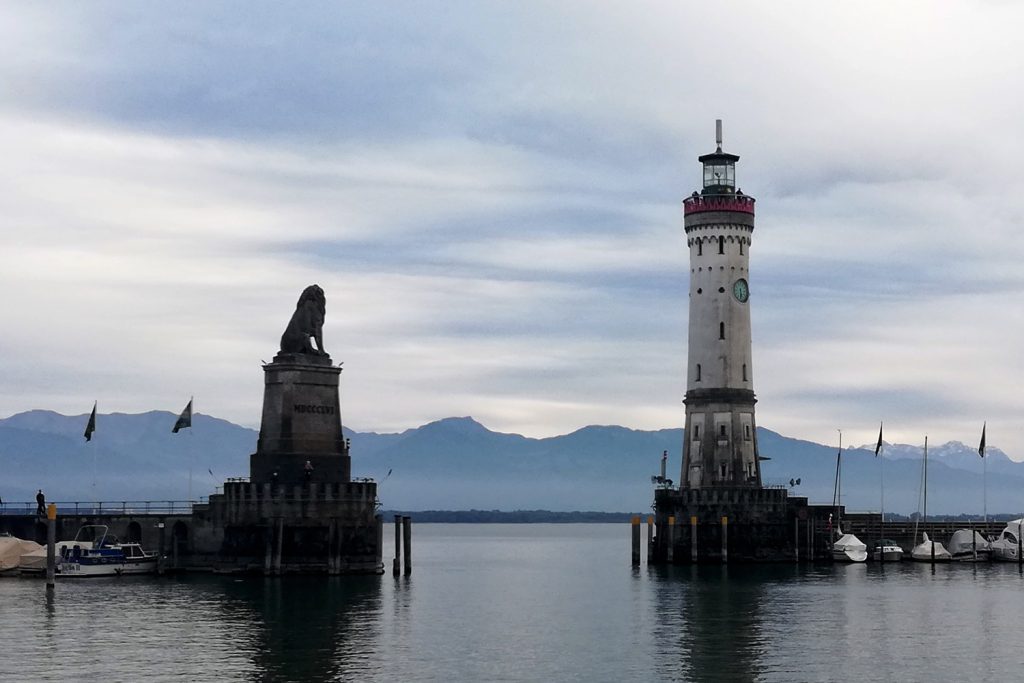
point(923, 551)
point(849, 542)
point(961, 542)
point(11, 550)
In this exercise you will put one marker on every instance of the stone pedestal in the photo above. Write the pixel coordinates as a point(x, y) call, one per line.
point(301, 422)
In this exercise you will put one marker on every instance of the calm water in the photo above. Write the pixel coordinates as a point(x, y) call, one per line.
point(526, 603)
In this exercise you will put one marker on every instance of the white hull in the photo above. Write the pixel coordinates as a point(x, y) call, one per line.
point(80, 570)
point(1004, 552)
point(888, 554)
point(849, 555)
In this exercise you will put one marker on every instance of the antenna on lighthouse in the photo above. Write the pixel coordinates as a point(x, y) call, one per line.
point(718, 133)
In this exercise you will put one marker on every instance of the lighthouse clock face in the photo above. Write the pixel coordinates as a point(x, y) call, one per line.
point(741, 291)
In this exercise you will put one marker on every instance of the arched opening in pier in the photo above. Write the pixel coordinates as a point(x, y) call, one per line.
point(134, 532)
point(179, 534)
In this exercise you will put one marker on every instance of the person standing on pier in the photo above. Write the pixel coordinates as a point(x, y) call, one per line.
point(40, 503)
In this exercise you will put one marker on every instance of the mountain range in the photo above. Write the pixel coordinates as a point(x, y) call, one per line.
point(457, 463)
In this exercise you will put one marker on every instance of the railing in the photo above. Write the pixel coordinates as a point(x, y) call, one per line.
point(730, 202)
point(121, 507)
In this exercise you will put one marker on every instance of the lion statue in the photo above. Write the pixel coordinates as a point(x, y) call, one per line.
point(307, 322)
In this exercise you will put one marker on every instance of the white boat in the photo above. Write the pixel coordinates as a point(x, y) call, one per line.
point(967, 545)
point(1005, 548)
point(930, 551)
point(849, 549)
point(887, 550)
point(34, 561)
point(103, 556)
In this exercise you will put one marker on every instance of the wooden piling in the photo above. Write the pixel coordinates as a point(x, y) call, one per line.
point(725, 539)
point(693, 538)
point(670, 555)
point(650, 536)
point(1020, 560)
point(279, 543)
point(407, 542)
point(796, 540)
point(51, 545)
point(636, 540)
point(396, 567)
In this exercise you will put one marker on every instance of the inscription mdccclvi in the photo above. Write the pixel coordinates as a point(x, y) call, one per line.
point(308, 408)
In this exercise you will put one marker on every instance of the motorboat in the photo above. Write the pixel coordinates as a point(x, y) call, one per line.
point(849, 548)
point(1007, 545)
point(968, 545)
point(887, 550)
point(33, 562)
point(103, 556)
point(930, 551)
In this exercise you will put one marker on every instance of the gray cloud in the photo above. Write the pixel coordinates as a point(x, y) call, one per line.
point(490, 193)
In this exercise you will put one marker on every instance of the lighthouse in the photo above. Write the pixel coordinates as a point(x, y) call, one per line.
point(720, 446)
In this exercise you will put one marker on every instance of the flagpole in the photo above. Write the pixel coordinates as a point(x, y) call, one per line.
point(881, 470)
point(984, 474)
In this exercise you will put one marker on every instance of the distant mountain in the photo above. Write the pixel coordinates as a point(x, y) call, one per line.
point(458, 464)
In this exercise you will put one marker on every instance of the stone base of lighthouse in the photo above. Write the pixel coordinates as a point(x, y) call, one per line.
point(760, 525)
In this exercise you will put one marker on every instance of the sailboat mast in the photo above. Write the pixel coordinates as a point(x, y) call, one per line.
point(926, 480)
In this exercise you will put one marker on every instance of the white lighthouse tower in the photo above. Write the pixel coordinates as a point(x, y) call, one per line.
point(720, 448)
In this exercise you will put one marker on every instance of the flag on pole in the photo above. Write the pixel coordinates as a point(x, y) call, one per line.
point(878, 446)
point(185, 419)
point(91, 427)
point(981, 446)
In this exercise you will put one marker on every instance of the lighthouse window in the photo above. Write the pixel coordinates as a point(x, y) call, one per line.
point(741, 247)
point(721, 330)
point(744, 372)
point(696, 432)
point(721, 245)
point(721, 431)
point(746, 432)
point(724, 469)
point(698, 372)
point(700, 248)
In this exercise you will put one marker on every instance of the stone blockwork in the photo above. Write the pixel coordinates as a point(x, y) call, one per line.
point(301, 423)
point(310, 528)
point(763, 525)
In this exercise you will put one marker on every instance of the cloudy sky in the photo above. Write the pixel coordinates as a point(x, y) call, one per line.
point(489, 193)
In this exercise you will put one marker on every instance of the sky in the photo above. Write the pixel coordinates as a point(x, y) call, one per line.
point(490, 195)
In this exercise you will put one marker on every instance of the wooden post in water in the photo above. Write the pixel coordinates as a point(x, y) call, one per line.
point(279, 544)
point(670, 555)
point(650, 536)
point(693, 538)
point(725, 539)
point(796, 540)
point(1020, 560)
point(51, 545)
point(396, 567)
point(974, 543)
point(635, 523)
point(407, 542)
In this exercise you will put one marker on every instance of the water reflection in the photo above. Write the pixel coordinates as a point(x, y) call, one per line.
point(709, 622)
point(308, 628)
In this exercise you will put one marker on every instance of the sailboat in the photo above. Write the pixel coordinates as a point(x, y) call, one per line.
point(848, 548)
point(928, 550)
point(885, 550)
